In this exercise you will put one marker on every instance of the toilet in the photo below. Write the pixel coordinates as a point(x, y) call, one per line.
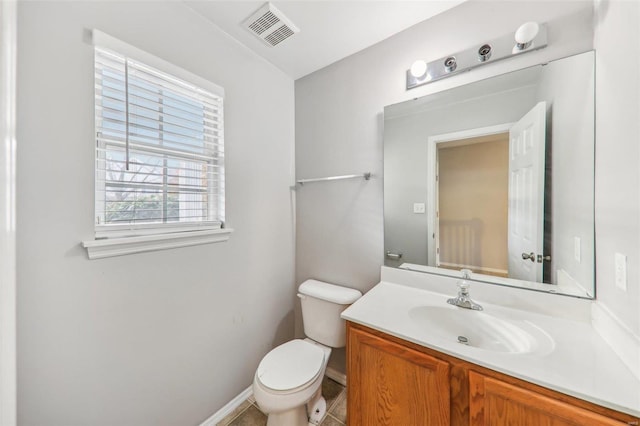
point(288, 382)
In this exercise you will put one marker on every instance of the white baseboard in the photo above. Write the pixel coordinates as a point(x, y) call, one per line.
point(621, 339)
point(228, 408)
point(337, 376)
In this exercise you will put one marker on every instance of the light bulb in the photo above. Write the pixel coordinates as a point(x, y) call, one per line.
point(525, 35)
point(418, 68)
point(527, 32)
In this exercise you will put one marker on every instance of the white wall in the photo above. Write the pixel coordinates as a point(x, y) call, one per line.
point(617, 38)
point(8, 21)
point(161, 338)
point(339, 124)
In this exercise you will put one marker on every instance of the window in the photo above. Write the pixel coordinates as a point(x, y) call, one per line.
point(159, 146)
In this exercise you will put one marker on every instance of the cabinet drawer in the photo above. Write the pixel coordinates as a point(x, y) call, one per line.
point(493, 402)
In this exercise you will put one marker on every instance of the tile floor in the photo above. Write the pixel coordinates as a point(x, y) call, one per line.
point(248, 413)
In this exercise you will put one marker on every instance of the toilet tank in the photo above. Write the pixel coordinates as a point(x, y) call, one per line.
point(322, 303)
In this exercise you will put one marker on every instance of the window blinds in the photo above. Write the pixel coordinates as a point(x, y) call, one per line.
point(159, 150)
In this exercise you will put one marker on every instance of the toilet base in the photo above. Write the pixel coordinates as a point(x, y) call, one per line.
point(293, 417)
point(317, 411)
point(317, 408)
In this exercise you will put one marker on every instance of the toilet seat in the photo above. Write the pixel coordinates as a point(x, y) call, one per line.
point(291, 366)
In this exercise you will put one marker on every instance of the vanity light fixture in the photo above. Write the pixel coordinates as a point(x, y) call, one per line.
point(418, 68)
point(484, 53)
point(450, 64)
point(524, 36)
point(528, 37)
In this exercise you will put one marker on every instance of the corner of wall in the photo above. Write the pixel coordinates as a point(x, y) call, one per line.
point(619, 337)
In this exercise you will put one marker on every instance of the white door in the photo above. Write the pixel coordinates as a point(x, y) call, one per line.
point(526, 194)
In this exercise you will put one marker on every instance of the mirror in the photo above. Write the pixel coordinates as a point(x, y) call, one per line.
point(497, 176)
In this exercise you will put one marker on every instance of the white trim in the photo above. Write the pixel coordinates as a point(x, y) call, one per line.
point(220, 415)
point(136, 230)
point(618, 336)
point(8, 393)
point(109, 247)
point(336, 375)
point(432, 142)
point(101, 39)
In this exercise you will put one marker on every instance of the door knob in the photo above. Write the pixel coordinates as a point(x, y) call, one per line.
point(531, 256)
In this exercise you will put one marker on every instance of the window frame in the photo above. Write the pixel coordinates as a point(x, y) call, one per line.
point(118, 239)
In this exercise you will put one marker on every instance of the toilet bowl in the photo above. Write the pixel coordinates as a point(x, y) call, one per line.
point(287, 385)
point(288, 381)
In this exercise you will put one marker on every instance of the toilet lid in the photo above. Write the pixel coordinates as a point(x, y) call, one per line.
point(290, 365)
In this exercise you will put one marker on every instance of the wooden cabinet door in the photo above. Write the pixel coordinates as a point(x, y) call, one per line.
point(493, 402)
point(392, 385)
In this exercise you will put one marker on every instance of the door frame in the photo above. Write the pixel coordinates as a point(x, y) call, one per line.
point(432, 186)
point(8, 30)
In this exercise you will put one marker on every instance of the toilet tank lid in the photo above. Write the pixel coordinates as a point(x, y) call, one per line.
point(329, 292)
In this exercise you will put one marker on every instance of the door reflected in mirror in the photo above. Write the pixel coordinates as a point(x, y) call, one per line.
point(504, 168)
point(472, 186)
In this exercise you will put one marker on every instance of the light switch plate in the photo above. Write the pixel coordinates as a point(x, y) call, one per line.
point(419, 208)
point(577, 251)
point(621, 271)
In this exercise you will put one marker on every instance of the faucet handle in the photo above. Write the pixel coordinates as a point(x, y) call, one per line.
point(463, 287)
point(463, 284)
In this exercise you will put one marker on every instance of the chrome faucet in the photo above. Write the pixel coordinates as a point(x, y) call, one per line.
point(463, 300)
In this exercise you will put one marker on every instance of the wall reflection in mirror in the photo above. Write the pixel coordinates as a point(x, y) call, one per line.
point(497, 176)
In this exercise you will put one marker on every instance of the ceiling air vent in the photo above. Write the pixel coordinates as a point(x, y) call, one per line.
point(270, 25)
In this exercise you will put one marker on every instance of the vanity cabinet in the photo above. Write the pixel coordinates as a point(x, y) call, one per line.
point(495, 402)
point(393, 382)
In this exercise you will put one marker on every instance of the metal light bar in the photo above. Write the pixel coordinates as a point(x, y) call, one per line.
point(495, 50)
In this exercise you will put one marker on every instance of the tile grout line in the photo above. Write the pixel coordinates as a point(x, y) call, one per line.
point(342, 395)
point(339, 400)
point(333, 418)
point(336, 400)
point(336, 419)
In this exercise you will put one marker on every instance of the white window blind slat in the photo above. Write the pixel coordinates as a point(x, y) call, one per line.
point(186, 120)
point(159, 149)
point(148, 131)
point(142, 149)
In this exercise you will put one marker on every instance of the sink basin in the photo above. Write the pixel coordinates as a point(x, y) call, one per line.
point(481, 330)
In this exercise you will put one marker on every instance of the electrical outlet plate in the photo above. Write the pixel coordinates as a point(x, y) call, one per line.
point(419, 208)
point(621, 271)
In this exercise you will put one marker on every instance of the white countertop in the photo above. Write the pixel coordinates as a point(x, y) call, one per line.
point(580, 364)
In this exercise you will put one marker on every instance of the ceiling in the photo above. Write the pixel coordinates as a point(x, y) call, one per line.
point(329, 30)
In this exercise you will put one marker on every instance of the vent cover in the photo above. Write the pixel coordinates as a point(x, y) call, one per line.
point(270, 25)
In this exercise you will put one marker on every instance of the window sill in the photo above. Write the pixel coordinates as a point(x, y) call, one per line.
point(109, 247)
